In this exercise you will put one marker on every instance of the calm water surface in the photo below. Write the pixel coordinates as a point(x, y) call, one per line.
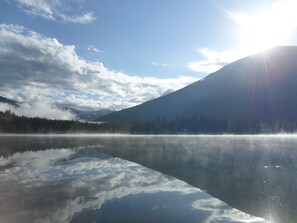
point(91, 178)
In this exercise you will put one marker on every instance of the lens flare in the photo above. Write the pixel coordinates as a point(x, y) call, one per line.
point(269, 28)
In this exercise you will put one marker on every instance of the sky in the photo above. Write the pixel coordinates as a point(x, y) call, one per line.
point(114, 54)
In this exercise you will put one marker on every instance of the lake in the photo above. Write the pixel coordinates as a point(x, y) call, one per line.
point(124, 178)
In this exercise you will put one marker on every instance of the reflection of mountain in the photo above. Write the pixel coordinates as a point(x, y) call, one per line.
point(260, 86)
point(82, 185)
point(252, 173)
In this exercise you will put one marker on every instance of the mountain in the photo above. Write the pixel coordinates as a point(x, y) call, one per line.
point(91, 115)
point(86, 115)
point(261, 86)
point(8, 101)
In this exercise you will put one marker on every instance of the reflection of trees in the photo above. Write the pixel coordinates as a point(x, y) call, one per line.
point(21, 143)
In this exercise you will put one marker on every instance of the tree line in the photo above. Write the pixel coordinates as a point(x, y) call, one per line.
point(211, 125)
point(11, 123)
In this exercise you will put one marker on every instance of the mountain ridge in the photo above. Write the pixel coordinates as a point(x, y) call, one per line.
point(260, 86)
point(8, 101)
point(88, 115)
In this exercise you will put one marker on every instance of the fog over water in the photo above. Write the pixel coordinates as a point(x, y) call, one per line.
point(120, 178)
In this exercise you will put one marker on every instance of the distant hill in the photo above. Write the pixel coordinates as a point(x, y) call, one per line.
point(8, 101)
point(261, 86)
point(86, 115)
point(91, 115)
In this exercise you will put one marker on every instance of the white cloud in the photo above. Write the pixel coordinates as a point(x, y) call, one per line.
point(55, 11)
point(214, 60)
point(94, 49)
point(83, 19)
point(34, 67)
point(160, 64)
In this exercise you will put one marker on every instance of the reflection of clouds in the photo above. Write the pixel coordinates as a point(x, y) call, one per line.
point(55, 186)
point(221, 212)
point(32, 166)
point(4, 162)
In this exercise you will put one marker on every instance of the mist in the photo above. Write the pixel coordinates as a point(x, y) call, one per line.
point(41, 109)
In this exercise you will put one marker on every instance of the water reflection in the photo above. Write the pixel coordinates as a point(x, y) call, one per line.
point(252, 173)
point(84, 185)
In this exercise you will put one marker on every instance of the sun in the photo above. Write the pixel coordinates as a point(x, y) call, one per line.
point(264, 30)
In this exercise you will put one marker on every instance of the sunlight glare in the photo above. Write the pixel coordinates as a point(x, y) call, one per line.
point(264, 30)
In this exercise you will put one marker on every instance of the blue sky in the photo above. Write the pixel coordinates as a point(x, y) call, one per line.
point(138, 37)
point(172, 42)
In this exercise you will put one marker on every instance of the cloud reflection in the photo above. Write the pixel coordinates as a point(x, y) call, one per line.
point(59, 185)
point(221, 212)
